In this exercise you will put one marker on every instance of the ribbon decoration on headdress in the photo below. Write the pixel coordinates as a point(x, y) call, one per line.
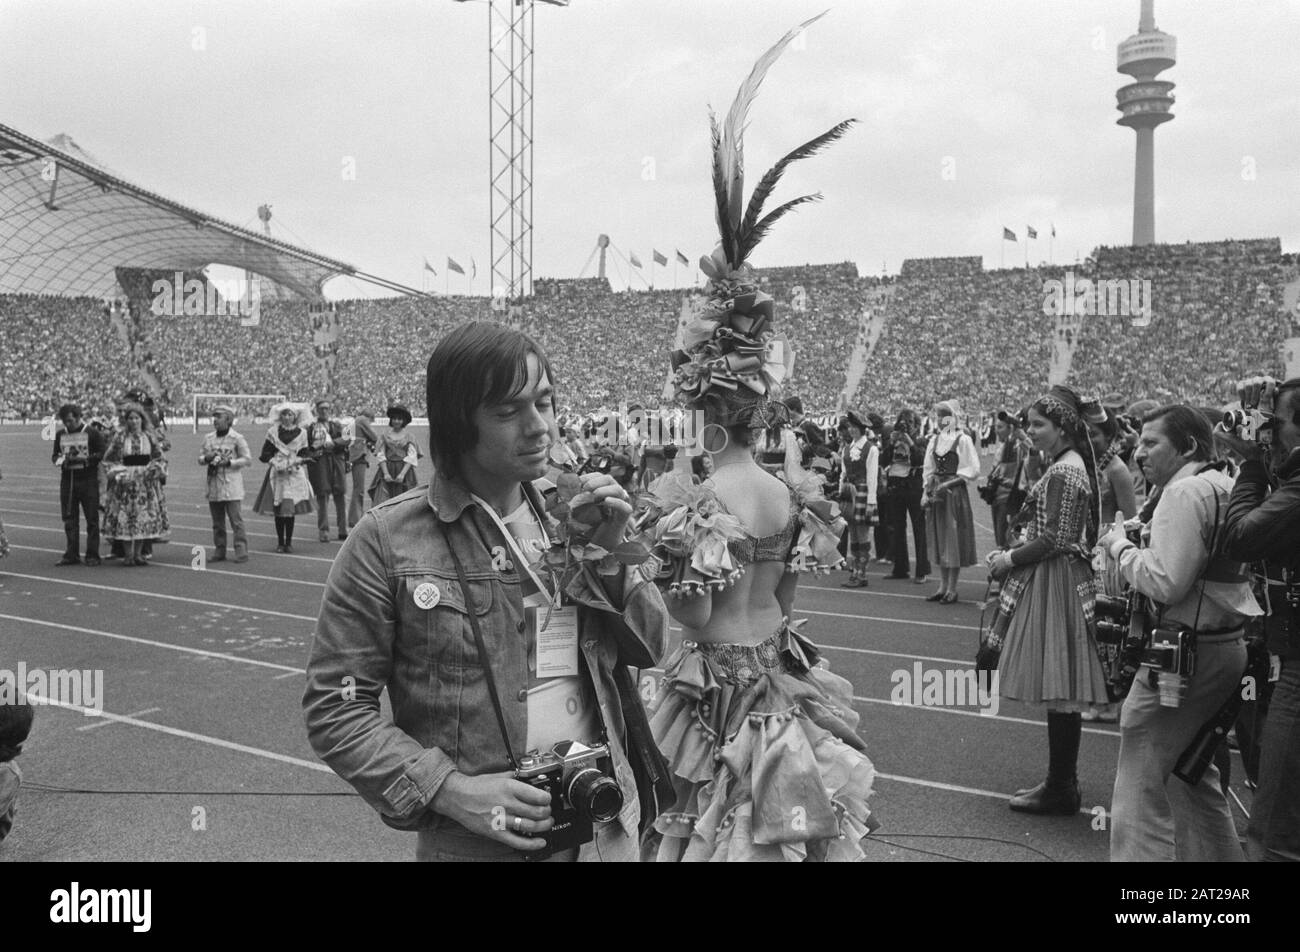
point(734, 343)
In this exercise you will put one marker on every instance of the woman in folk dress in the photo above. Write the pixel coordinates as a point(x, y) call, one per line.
point(286, 491)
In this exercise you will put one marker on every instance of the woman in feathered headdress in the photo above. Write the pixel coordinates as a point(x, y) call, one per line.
point(754, 727)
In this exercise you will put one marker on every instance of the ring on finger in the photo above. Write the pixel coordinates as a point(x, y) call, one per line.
point(519, 824)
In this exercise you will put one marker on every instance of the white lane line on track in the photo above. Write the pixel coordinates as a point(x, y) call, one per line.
point(144, 594)
point(957, 662)
point(957, 788)
point(875, 591)
point(897, 621)
point(147, 710)
point(986, 717)
point(191, 735)
point(204, 531)
point(289, 670)
point(187, 567)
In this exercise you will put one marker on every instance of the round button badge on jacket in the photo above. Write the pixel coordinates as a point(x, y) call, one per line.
point(427, 595)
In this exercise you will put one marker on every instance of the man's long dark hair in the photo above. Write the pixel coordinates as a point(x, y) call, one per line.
point(478, 364)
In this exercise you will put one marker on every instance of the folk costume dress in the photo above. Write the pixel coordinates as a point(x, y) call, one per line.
point(949, 521)
point(286, 475)
point(761, 740)
point(394, 450)
point(137, 504)
point(1045, 622)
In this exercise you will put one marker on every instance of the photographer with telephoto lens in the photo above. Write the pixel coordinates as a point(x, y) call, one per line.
point(1195, 657)
point(1263, 525)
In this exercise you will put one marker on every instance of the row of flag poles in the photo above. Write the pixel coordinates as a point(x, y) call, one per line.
point(452, 265)
point(1031, 234)
point(656, 258)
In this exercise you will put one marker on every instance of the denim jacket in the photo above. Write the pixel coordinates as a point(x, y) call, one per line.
point(372, 634)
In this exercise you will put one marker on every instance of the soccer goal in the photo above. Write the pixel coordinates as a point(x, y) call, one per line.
point(248, 405)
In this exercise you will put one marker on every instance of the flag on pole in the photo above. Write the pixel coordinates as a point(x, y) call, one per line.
point(659, 259)
point(1030, 231)
point(682, 258)
point(429, 267)
point(473, 268)
point(453, 266)
point(1053, 229)
point(1008, 234)
point(636, 262)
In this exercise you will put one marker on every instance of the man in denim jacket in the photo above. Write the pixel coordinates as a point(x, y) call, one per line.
point(395, 616)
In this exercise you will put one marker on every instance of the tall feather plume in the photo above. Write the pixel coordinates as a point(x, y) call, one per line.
point(729, 153)
point(761, 228)
point(725, 232)
point(745, 238)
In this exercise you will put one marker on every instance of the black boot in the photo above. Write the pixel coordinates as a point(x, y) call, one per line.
point(1059, 794)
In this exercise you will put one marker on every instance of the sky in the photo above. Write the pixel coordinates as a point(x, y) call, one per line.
point(364, 124)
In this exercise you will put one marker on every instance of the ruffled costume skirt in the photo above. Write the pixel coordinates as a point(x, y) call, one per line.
point(766, 762)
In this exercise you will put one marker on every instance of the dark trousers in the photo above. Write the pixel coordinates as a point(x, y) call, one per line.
point(79, 492)
point(359, 499)
point(884, 531)
point(1000, 518)
point(340, 510)
point(906, 500)
point(221, 511)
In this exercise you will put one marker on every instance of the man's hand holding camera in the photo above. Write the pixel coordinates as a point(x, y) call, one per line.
point(498, 807)
point(1247, 432)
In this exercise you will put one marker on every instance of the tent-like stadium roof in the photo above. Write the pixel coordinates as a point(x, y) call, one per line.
point(66, 224)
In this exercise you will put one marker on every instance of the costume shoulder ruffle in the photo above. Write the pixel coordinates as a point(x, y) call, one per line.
point(689, 533)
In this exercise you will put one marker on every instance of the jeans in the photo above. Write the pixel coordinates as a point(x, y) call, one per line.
point(1274, 833)
point(79, 492)
point(902, 502)
point(454, 844)
point(359, 500)
point(1155, 816)
point(221, 511)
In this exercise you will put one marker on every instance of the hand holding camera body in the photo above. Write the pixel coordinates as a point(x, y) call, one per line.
point(580, 780)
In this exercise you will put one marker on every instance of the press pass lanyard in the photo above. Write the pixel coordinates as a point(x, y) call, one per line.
point(541, 597)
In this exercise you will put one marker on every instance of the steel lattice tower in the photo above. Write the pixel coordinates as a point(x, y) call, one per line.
point(510, 148)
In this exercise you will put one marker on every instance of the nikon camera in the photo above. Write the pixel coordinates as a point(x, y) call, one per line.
point(580, 780)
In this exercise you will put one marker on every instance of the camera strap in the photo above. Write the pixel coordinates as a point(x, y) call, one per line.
point(478, 643)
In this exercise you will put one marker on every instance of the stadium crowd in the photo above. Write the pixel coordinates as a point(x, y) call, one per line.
point(950, 330)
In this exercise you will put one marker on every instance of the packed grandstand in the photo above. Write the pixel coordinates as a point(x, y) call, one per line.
point(950, 329)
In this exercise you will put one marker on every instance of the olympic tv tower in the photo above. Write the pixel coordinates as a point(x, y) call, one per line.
point(1143, 105)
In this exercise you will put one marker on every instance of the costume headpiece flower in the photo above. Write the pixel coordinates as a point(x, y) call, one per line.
point(732, 348)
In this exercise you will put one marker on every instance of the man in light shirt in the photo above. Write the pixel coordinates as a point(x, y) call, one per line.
point(225, 454)
point(1156, 817)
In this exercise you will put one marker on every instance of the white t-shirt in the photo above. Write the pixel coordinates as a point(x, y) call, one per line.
point(558, 708)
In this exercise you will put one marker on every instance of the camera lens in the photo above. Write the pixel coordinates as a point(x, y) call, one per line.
point(595, 796)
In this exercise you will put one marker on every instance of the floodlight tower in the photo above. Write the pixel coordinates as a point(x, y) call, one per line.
point(510, 147)
point(1145, 104)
